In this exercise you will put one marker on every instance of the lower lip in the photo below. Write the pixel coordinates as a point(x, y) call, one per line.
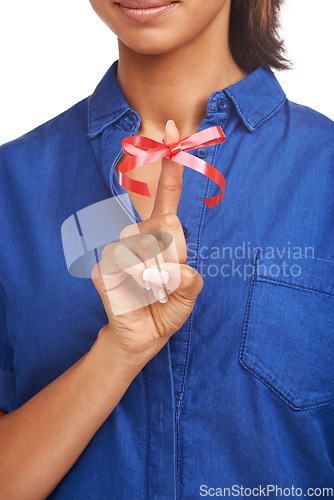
point(144, 15)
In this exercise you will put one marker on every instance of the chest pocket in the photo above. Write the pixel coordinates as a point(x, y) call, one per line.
point(288, 332)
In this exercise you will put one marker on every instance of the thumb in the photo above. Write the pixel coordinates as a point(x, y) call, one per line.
point(179, 278)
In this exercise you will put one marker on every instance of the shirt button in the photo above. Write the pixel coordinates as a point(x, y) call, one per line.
point(221, 103)
point(202, 152)
point(185, 231)
point(128, 122)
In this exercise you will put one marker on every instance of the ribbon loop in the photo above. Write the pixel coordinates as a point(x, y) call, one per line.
point(143, 150)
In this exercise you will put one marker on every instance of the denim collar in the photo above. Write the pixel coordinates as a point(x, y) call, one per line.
point(256, 98)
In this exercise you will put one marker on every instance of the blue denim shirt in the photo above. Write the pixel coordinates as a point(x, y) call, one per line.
point(243, 394)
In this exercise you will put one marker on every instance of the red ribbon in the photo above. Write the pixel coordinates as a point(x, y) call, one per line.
point(143, 150)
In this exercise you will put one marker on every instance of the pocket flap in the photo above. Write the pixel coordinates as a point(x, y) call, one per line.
point(307, 272)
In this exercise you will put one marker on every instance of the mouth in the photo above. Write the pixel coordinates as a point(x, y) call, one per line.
point(146, 10)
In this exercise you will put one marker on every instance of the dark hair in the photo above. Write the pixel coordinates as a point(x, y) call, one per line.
point(254, 40)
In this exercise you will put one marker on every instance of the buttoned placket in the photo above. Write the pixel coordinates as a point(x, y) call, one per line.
point(157, 374)
point(165, 374)
point(191, 213)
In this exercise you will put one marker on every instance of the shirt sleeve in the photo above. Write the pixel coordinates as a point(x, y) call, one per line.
point(7, 378)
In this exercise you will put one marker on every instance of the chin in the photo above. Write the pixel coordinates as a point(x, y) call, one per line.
point(149, 48)
point(152, 44)
point(159, 36)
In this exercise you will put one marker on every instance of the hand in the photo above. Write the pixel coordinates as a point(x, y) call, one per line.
point(140, 320)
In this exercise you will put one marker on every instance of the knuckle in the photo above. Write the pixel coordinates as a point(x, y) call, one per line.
point(188, 275)
point(173, 187)
point(94, 273)
point(113, 252)
point(127, 231)
point(150, 240)
point(182, 251)
point(96, 276)
point(171, 220)
point(117, 251)
point(106, 250)
point(183, 258)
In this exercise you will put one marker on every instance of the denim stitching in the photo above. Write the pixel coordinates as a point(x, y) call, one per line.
point(281, 395)
point(148, 431)
point(265, 118)
point(239, 107)
point(263, 279)
point(108, 135)
point(106, 141)
point(246, 319)
point(322, 260)
point(115, 116)
point(89, 109)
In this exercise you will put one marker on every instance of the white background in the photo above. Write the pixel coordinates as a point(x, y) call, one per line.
point(53, 54)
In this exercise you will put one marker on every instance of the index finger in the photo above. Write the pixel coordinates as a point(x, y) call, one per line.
point(170, 181)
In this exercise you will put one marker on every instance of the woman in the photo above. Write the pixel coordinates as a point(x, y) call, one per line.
point(228, 381)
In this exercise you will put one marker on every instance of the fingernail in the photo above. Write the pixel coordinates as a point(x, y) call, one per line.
point(156, 276)
point(170, 121)
point(162, 296)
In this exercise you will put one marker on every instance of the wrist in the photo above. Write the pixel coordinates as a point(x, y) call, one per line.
point(113, 356)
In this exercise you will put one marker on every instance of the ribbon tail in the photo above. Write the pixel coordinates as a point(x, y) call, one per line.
point(132, 184)
point(206, 169)
point(214, 200)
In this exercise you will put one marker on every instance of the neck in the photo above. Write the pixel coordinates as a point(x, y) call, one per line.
point(176, 85)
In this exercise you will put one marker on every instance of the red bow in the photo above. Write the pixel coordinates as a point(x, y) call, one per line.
point(144, 150)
